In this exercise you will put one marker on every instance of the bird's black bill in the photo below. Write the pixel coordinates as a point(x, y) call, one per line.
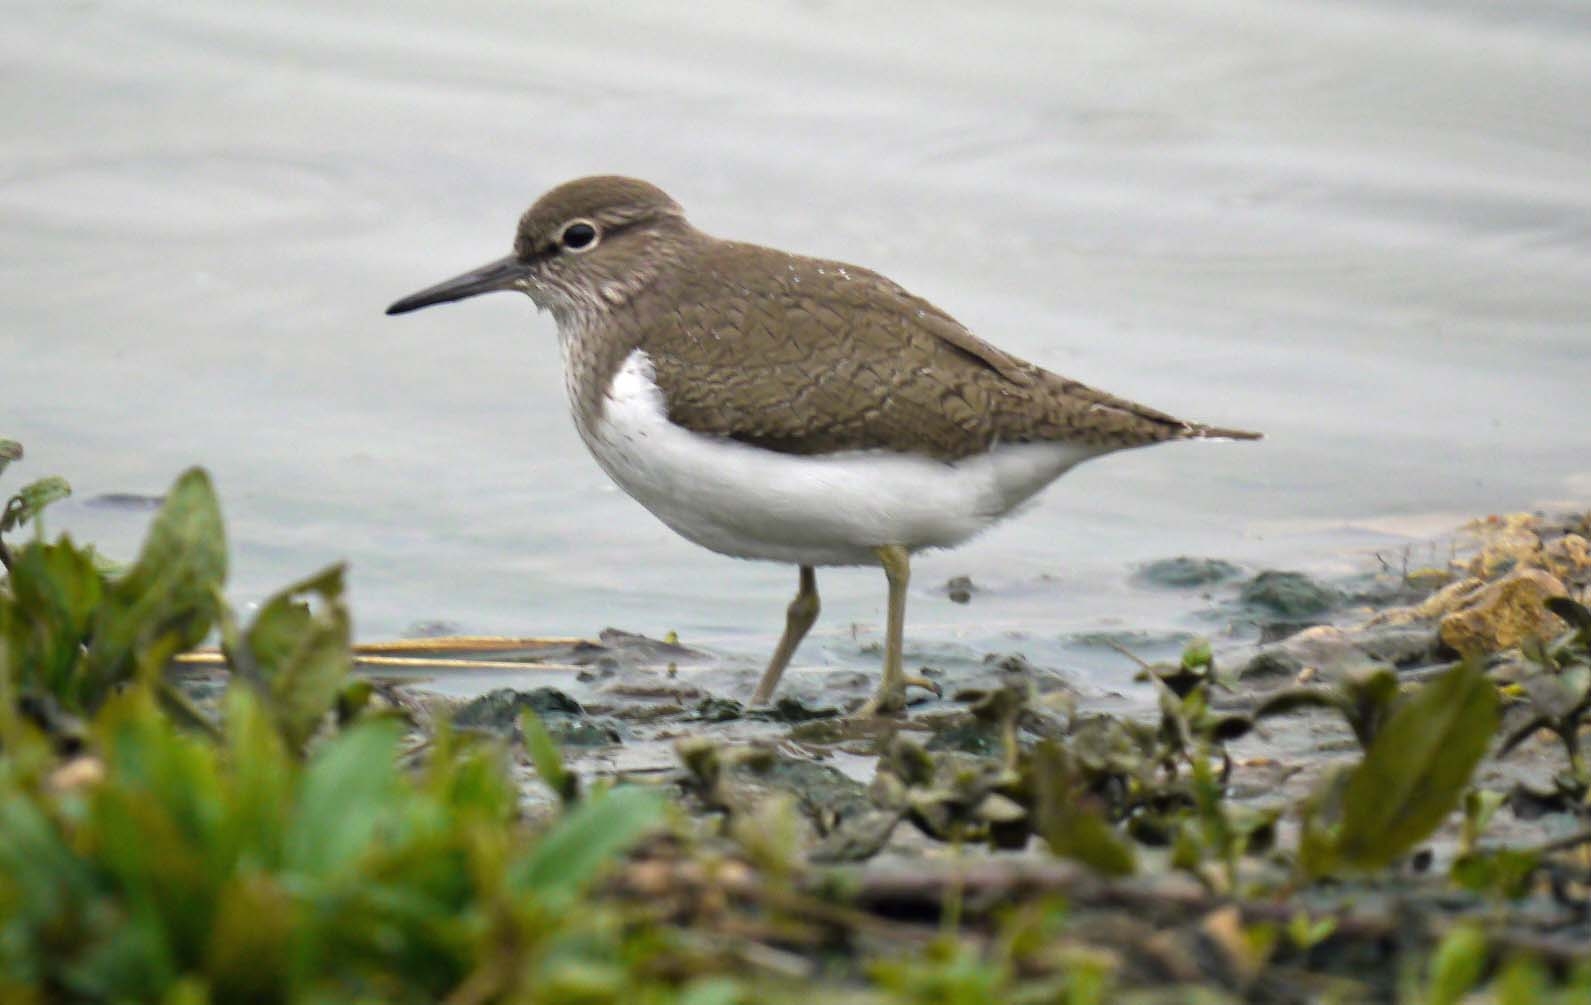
point(502, 274)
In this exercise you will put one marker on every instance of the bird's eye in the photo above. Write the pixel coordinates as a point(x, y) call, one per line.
point(579, 236)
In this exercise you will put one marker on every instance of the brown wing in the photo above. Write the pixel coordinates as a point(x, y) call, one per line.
point(806, 356)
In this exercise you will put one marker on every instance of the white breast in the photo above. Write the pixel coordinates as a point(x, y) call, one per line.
point(831, 509)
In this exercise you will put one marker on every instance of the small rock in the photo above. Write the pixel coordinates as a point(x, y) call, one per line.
point(822, 790)
point(655, 688)
point(1278, 631)
point(566, 722)
point(582, 732)
point(1498, 616)
point(1289, 595)
point(960, 589)
point(1570, 554)
point(1329, 652)
point(1532, 802)
point(1325, 651)
point(793, 708)
point(1184, 572)
point(1428, 579)
point(857, 838)
point(1449, 598)
point(969, 736)
point(1010, 663)
point(500, 709)
point(999, 670)
point(131, 501)
point(834, 731)
point(1506, 543)
point(648, 711)
point(719, 710)
point(1272, 663)
point(431, 630)
point(746, 779)
point(1400, 645)
point(648, 650)
point(602, 669)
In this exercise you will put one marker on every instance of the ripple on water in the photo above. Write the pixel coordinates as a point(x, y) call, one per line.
point(211, 195)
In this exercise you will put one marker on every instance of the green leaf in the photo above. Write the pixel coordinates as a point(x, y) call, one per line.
point(56, 592)
point(132, 962)
point(346, 794)
point(1297, 699)
point(1197, 655)
point(1479, 807)
point(1524, 981)
point(158, 820)
point(297, 654)
point(1306, 933)
point(544, 754)
point(28, 503)
point(1501, 872)
point(10, 450)
point(249, 954)
point(1416, 769)
point(1070, 821)
point(569, 856)
point(352, 700)
point(1457, 965)
point(41, 879)
point(1371, 695)
point(710, 991)
point(1575, 614)
point(166, 601)
point(264, 777)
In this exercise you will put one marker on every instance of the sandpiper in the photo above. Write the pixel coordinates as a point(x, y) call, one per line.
point(771, 406)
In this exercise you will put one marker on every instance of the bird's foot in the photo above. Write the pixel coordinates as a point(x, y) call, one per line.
point(889, 700)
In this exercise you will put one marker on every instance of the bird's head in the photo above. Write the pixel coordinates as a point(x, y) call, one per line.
point(583, 248)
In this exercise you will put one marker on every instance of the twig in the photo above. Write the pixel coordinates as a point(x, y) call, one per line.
point(1142, 663)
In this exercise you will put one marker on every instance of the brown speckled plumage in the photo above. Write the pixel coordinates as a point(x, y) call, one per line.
point(806, 356)
point(801, 355)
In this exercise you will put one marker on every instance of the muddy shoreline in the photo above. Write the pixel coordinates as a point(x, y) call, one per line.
point(909, 816)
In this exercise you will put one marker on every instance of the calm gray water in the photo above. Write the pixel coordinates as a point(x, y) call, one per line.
point(1364, 228)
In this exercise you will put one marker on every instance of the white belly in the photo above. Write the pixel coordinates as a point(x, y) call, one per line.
point(834, 509)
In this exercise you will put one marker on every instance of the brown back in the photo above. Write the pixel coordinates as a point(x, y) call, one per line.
point(805, 356)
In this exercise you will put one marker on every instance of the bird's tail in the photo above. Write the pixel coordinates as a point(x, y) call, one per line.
point(1199, 431)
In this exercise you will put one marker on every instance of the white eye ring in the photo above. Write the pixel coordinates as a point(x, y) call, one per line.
point(580, 236)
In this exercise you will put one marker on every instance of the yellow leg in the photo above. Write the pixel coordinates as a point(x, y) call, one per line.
point(798, 618)
point(891, 695)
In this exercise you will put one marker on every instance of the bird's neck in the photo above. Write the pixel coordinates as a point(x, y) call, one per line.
point(594, 344)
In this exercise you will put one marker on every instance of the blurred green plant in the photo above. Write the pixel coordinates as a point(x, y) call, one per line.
point(1030, 958)
point(296, 654)
point(1414, 772)
point(153, 852)
point(253, 875)
point(29, 502)
point(73, 636)
point(1364, 697)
